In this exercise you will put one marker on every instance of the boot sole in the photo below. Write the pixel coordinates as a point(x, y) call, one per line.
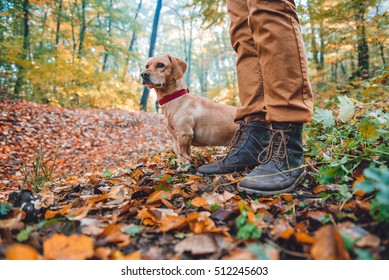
point(271, 193)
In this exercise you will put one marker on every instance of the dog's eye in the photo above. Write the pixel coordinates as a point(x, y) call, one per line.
point(147, 66)
point(160, 65)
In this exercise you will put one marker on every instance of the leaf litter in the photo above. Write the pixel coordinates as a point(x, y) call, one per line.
point(115, 193)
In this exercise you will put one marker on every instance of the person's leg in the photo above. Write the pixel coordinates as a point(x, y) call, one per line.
point(288, 96)
point(253, 135)
point(250, 81)
point(278, 41)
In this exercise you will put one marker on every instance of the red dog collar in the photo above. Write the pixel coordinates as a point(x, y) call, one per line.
point(173, 96)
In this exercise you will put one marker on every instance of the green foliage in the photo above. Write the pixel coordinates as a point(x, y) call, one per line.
point(5, 209)
point(246, 229)
point(134, 230)
point(345, 137)
point(377, 179)
point(107, 174)
point(24, 234)
point(39, 174)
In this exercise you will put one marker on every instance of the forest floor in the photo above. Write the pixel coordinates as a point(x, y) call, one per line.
point(103, 184)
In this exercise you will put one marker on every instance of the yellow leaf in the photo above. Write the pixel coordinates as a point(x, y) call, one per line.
point(21, 252)
point(62, 247)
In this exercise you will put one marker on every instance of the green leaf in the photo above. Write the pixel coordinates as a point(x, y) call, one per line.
point(363, 254)
point(259, 251)
point(107, 174)
point(325, 117)
point(344, 192)
point(134, 230)
point(346, 109)
point(24, 235)
point(367, 129)
point(213, 207)
point(5, 208)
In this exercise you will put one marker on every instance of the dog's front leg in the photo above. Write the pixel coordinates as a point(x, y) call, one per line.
point(184, 142)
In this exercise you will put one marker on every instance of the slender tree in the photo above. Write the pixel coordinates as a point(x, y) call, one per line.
point(26, 47)
point(153, 40)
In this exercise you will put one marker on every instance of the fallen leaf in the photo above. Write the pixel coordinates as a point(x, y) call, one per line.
point(117, 255)
point(303, 237)
point(114, 234)
point(51, 214)
point(199, 202)
point(158, 196)
point(282, 229)
point(198, 244)
point(328, 245)
point(62, 247)
point(21, 252)
point(360, 236)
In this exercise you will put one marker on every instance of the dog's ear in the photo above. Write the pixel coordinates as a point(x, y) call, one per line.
point(178, 67)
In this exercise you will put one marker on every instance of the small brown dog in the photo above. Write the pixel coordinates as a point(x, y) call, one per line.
point(191, 120)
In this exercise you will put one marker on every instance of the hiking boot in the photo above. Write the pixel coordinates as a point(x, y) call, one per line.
point(248, 142)
point(281, 164)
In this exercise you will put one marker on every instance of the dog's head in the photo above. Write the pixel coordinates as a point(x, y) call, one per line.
point(161, 71)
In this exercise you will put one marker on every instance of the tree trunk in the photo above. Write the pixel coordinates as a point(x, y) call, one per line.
point(153, 40)
point(314, 49)
point(58, 22)
point(82, 29)
point(189, 53)
point(132, 42)
point(363, 47)
point(26, 47)
point(106, 54)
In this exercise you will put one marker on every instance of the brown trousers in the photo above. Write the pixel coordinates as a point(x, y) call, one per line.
point(271, 61)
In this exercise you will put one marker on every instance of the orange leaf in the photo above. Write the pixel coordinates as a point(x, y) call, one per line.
point(62, 247)
point(21, 252)
point(136, 174)
point(302, 237)
point(148, 218)
point(117, 255)
point(51, 214)
point(199, 202)
point(158, 196)
point(329, 245)
point(114, 234)
point(172, 222)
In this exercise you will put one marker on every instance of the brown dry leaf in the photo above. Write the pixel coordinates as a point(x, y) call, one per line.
point(282, 229)
point(303, 237)
point(356, 233)
point(13, 223)
point(51, 214)
point(62, 247)
point(102, 197)
point(102, 253)
point(198, 244)
point(329, 245)
point(201, 223)
point(136, 174)
point(199, 202)
point(21, 252)
point(172, 222)
point(114, 234)
point(117, 255)
point(148, 218)
point(158, 196)
point(317, 215)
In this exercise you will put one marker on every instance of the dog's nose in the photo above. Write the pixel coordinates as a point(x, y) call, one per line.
point(145, 74)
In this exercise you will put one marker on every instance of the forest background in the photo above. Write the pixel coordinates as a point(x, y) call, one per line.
point(89, 53)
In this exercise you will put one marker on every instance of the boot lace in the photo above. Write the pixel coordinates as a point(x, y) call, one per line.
point(276, 150)
point(237, 139)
